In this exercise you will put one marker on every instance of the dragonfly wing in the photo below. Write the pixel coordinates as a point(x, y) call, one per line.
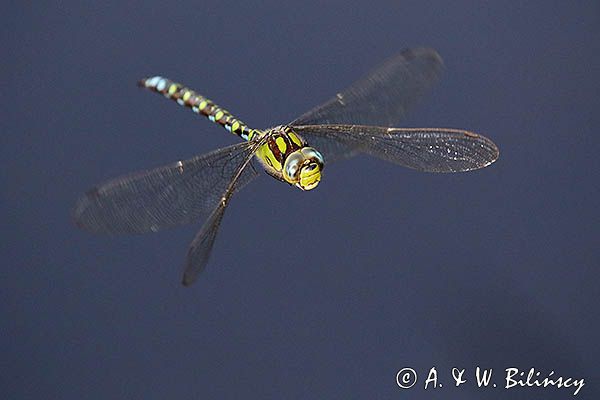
point(201, 246)
point(167, 196)
point(423, 149)
point(384, 96)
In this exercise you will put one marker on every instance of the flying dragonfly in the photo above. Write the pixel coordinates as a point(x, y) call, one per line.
point(359, 119)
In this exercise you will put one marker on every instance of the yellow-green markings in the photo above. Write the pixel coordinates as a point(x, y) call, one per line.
point(173, 88)
point(265, 154)
point(294, 138)
point(251, 134)
point(199, 104)
point(281, 144)
point(310, 179)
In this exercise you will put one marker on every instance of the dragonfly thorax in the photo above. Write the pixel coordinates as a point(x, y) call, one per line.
point(286, 157)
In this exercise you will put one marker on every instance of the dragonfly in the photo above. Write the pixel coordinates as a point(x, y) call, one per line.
point(362, 118)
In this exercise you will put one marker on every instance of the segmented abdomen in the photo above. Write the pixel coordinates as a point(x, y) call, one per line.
point(198, 104)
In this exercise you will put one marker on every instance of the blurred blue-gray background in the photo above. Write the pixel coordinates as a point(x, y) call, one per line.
point(323, 294)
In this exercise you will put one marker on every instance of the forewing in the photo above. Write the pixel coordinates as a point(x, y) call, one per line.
point(383, 97)
point(423, 149)
point(163, 197)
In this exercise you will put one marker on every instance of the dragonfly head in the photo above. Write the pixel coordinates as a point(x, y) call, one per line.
point(303, 168)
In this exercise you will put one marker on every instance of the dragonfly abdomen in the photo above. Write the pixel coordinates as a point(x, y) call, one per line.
point(198, 104)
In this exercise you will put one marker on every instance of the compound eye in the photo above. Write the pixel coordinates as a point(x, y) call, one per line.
point(291, 168)
point(313, 155)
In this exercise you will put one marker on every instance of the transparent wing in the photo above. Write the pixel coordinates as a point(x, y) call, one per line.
point(163, 197)
point(201, 246)
point(384, 96)
point(423, 149)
